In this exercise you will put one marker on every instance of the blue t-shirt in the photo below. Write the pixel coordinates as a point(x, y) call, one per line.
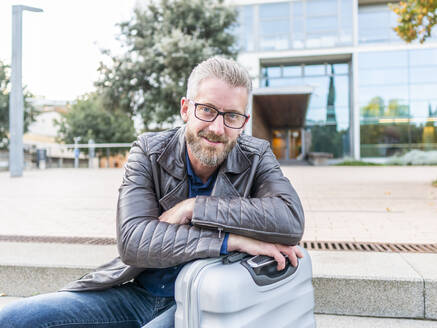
point(161, 282)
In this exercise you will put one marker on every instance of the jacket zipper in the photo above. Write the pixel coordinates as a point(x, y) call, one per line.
point(220, 232)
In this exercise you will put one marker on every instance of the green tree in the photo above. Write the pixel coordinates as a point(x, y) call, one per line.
point(416, 19)
point(88, 119)
point(326, 138)
point(374, 109)
point(164, 41)
point(387, 124)
point(29, 110)
point(377, 109)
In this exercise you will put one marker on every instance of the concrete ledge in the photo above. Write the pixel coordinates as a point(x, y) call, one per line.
point(31, 280)
point(426, 266)
point(319, 158)
point(334, 321)
point(28, 269)
point(369, 297)
point(375, 284)
point(345, 283)
point(339, 321)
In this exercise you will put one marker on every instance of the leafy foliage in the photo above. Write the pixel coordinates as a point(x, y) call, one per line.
point(29, 111)
point(164, 42)
point(415, 157)
point(88, 119)
point(392, 124)
point(326, 138)
point(376, 108)
point(416, 19)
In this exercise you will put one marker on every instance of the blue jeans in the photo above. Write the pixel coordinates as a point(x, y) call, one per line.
point(126, 306)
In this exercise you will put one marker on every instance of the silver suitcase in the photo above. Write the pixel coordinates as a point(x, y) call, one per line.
point(244, 293)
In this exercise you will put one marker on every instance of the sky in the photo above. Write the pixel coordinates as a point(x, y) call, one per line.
point(62, 45)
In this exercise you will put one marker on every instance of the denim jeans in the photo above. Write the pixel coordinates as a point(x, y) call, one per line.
point(126, 306)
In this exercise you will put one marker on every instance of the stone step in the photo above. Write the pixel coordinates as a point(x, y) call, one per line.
point(339, 321)
point(335, 321)
point(396, 285)
point(34, 268)
point(345, 283)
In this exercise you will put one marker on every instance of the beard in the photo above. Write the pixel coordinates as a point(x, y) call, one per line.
point(209, 156)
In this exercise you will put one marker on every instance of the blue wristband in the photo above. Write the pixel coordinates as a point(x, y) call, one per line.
point(224, 248)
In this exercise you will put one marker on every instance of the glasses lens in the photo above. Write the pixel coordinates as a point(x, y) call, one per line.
point(234, 120)
point(209, 114)
point(206, 113)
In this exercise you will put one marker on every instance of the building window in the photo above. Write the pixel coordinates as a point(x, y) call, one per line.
point(295, 24)
point(321, 23)
point(398, 101)
point(375, 24)
point(328, 112)
point(274, 26)
point(245, 35)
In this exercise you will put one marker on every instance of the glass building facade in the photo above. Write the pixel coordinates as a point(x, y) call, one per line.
point(328, 113)
point(398, 101)
point(295, 25)
point(359, 69)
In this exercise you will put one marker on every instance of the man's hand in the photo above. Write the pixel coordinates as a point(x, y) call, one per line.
point(181, 213)
point(257, 247)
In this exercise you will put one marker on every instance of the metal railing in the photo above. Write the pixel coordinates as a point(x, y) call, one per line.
point(49, 151)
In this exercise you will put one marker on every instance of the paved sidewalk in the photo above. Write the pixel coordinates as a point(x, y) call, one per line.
point(375, 204)
point(369, 204)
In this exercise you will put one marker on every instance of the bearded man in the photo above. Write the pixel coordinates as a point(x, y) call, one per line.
point(198, 191)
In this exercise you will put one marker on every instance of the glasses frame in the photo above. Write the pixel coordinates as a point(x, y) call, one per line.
point(219, 113)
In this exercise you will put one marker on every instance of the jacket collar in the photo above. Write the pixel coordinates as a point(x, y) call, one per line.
point(172, 159)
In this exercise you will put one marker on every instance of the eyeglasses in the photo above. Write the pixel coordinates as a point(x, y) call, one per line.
point(207, 113)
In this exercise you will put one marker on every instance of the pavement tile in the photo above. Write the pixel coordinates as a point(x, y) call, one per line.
point(346, 203)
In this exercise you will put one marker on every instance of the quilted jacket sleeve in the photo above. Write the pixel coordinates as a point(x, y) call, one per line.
point(274, 212)
point(144, 241)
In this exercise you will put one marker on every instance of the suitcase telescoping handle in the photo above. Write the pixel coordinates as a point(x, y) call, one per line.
point(263, 270)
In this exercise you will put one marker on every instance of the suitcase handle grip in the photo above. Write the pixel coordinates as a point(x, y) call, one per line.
point(263, 269)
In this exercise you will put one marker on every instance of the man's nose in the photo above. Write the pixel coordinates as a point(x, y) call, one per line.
point(218, 126)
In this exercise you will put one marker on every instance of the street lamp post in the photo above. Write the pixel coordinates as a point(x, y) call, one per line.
point(76, 152)
point(16, 119)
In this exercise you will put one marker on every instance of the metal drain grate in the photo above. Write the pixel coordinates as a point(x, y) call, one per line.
point(58, 240)
point(369, 247)
point(309, 245)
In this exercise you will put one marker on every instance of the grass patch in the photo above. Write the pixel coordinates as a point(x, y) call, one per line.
point(357, 163)
point(434, 183)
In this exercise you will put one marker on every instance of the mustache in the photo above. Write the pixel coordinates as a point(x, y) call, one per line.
point(212, 137)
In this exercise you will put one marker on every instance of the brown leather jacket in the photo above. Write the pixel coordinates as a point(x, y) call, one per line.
point(272, 212)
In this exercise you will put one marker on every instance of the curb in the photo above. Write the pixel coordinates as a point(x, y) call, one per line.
point(375, 284)
point(345, 283)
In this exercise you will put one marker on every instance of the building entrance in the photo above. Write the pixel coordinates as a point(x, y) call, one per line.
point(287, 144)
point(278, 115)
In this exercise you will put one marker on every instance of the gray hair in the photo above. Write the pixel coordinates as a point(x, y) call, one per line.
point(221, 68)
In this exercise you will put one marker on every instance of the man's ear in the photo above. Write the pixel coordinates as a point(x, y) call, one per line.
point(184, 109)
